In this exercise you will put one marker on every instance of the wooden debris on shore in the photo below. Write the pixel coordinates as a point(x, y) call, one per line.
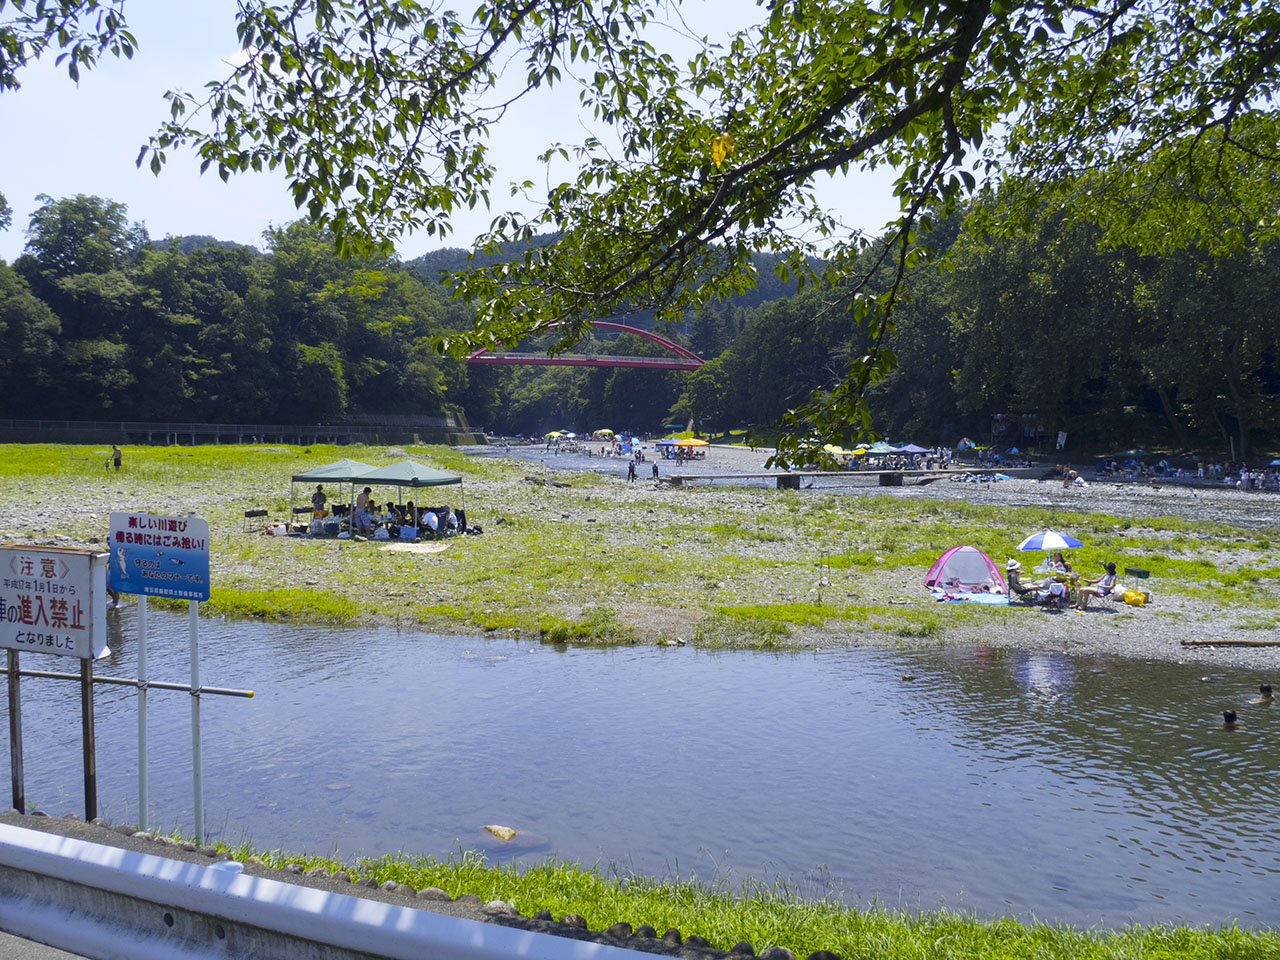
point(539, 481)
point(1230, 643)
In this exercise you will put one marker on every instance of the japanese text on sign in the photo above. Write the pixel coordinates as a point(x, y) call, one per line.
point(159, 556)
point(47, 600)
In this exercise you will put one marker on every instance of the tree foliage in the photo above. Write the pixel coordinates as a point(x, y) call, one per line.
point(378, 113)
point(80, 30)
point(97, 321)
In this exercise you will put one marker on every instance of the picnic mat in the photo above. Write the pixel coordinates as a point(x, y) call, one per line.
point(994, 598)
point(416, 547)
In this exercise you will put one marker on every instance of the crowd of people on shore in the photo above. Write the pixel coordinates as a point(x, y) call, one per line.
point(1228, 472)
point(392, 520)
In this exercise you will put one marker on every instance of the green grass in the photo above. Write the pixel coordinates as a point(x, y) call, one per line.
point(776, 914)
point(741, 567)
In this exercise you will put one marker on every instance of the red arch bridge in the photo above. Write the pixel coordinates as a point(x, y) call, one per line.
point(684, 359)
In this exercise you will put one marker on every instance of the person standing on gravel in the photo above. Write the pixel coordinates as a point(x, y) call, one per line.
point(116, 457)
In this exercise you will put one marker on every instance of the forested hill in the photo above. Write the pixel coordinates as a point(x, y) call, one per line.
point(1023, 337)
point(449, 260)
point(98, 322)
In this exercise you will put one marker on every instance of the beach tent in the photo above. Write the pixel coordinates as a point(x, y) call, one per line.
point(962, 569)
point(880, 447)
point(337, 472)
point(912, 448)
point(410, 473)
point(340, 471)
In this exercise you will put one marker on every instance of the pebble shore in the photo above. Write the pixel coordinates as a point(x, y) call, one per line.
point(1156, 632)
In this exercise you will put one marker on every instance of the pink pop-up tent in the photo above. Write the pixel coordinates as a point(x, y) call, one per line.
point(964, 569)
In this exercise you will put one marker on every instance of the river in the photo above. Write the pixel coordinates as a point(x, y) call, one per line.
point(1093, 792)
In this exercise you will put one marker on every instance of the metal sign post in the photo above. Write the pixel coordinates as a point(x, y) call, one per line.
point(197, 771)
point(155, 556)
point(53, 600)
point(90, 755)
point(142, 712)
point(15, 734)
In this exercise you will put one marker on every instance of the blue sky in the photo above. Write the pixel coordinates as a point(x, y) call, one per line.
point(61, 139)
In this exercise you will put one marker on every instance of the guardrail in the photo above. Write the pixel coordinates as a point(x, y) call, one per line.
point(104, 901)
point(397, 429)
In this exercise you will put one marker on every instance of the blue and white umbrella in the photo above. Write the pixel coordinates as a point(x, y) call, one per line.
point(1049, 540)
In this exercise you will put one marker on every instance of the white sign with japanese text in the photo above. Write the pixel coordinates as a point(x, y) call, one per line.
point(53, 600)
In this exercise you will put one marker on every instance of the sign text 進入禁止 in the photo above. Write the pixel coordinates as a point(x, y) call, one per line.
point(52, 600)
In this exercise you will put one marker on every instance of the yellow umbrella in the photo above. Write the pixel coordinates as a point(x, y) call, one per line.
point(554, 433)
point(838, 451)
point(605, 432)
point(692, 442)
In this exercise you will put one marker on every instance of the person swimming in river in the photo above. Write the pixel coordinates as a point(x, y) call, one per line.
point(1229, 721)
point(1264, 694)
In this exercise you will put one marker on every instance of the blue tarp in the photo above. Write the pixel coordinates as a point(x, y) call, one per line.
point(996, 599)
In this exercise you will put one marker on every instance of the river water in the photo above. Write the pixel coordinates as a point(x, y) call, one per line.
point(1091, 792)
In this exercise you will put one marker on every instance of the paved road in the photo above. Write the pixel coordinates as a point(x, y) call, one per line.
point(15, 948)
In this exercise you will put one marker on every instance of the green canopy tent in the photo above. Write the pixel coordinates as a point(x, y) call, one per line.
point(410, 473)
point(340, 471)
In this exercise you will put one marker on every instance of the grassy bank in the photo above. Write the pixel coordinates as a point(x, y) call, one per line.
point(773, 915)
point(581, 557)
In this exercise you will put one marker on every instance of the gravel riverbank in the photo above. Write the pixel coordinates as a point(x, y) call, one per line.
point(572, 550)
point(1154, 632)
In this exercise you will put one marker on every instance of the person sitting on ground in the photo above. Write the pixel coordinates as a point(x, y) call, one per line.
point(1101, 587)
point(1264, 694)
point(431, 523)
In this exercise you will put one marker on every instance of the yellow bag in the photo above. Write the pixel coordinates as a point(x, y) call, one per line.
point(1134, 598)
